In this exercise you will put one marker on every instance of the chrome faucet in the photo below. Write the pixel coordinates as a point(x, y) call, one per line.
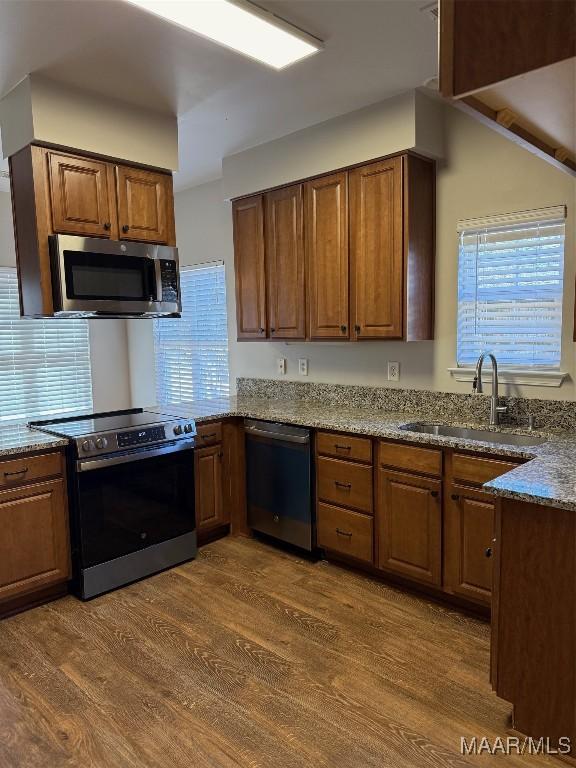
point(495, 409)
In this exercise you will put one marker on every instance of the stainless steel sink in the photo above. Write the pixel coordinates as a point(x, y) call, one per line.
point(485, 435)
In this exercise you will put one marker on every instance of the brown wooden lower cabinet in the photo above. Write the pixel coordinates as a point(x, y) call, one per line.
point(34, 546)
point(344, 531)
point(534, 618)
point(208, 488)
point(409, 514)
point(468, 535)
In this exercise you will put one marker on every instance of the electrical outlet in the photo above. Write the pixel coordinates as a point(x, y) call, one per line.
point(393, 371)
point(281, 366)
point(303, 366)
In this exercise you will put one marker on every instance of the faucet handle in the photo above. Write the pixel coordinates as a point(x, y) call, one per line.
point(531, 421)
point(474, 383)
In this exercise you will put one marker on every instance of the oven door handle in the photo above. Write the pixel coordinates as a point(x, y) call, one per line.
point(139, 455)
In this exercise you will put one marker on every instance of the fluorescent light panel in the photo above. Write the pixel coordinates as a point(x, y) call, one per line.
point(240, 26)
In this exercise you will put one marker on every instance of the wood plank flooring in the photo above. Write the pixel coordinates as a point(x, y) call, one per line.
point(252, 657)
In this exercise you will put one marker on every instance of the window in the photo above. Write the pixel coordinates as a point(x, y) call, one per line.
point(44, 364)
point(192, 352)
point(510, 278)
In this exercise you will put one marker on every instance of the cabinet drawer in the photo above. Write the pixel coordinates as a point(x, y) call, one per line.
point(26, 469)
point(344, 446)
point(208, 434)
point(427, 461)
point(342, 530)
point(346, 484)
point(477, 470)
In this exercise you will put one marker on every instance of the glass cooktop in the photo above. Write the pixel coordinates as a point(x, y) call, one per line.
point(82, 426)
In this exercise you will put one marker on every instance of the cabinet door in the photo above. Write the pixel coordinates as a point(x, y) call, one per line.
point(248, 221)
point(376, 247)
point(145, 205)
point(34, 546)
point(208, 484)
point(285, 264)
point(82, 200)
point(410, 526)
point(468, 534)
point(326, 226)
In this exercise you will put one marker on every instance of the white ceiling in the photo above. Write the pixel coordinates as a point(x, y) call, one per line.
point(225, 102)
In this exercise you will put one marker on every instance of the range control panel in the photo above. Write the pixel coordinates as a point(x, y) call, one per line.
point(140, 436)
point(110, 442)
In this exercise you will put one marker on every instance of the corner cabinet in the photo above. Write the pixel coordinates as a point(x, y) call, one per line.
point(345, 256)
point(57, 192)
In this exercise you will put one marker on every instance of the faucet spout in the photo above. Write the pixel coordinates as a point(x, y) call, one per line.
point(495, 409)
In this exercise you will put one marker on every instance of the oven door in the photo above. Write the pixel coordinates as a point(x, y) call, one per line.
point(131, 501)
point(96, 277)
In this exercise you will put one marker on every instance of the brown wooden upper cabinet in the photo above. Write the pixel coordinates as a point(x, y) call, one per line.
point(376, 249)
point(248, 221)
point(81, 196)
point(285, 290)
point(349, 255)
point(327, 256)
point(145, 205)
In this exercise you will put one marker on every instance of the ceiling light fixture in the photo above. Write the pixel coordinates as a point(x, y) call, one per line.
point(239, 25)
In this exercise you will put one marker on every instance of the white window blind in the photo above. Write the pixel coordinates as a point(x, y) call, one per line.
point(44, 364)
point(192, 351)
point(510, 279)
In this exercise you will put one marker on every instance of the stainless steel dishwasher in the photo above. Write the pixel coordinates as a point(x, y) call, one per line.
point(279, 482)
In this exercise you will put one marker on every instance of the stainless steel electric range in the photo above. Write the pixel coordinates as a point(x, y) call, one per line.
point(131, 495)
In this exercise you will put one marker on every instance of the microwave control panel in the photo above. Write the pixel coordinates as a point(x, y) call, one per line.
point(169, 280)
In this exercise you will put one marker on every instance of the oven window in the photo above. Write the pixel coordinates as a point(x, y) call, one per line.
point(126, 507)
point(109, 277)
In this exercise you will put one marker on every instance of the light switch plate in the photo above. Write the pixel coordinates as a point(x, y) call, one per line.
point(393, 371)
point(281, 366)
point(303, 366)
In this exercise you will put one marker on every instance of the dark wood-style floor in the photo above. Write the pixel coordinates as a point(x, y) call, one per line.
point(247, 657)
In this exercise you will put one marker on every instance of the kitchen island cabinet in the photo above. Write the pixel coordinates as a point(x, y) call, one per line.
point(534, 618)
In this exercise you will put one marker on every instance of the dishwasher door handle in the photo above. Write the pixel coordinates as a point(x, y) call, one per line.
point(283, 436)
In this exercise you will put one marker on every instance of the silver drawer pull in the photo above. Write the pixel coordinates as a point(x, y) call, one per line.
point(346, 486)
point(343, 447)
point(348, 534)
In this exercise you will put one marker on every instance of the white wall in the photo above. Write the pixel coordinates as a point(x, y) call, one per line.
point(108, 338)
point(408, 121)
point(43, 110)
point(482, 173)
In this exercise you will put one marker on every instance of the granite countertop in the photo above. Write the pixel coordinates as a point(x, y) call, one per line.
point(547, 478)
point(17, 438)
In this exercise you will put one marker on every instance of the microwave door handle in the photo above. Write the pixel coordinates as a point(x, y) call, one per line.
point(157, 281)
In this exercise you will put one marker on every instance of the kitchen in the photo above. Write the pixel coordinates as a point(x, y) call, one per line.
point(381, 634)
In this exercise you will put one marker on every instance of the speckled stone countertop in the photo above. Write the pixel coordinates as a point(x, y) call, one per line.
point(547, 478)
point(17, 438)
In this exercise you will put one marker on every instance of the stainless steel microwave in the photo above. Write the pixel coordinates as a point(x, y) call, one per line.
point(93, 277)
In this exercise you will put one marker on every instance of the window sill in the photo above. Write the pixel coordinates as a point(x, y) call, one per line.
point(525, 377)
